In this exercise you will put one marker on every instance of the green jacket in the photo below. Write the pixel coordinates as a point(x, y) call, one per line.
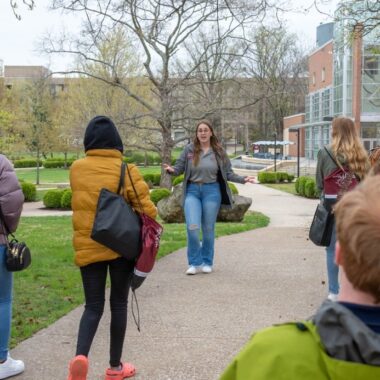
point(294, 351)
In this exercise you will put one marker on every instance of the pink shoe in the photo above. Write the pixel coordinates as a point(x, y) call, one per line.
point(128, 370)
point(78, 368)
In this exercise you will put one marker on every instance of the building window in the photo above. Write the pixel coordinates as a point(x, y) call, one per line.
point(307, 109)
point(326, 102)
point(315, 107)
point(313, 79)
point(323, 75)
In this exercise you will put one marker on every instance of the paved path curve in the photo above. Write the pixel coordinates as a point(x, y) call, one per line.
point(192, 326)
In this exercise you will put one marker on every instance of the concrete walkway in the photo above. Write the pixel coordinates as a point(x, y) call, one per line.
point(192, 326)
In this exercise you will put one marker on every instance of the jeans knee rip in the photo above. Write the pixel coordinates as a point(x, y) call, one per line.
point(193, 227)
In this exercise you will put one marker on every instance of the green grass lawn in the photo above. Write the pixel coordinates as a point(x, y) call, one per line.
point(287, 187)
point(51, 287)
point(49, 176)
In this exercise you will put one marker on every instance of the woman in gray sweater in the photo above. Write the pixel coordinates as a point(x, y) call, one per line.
point(11, 201)
point(207, 169)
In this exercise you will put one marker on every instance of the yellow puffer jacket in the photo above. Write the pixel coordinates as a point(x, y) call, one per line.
point(100, 169)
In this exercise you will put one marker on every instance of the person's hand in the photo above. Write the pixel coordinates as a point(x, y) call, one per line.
point(250, 179)
point(168, 168)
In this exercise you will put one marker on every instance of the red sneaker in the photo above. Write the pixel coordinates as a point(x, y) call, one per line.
point(128, 370)
point(78, 368)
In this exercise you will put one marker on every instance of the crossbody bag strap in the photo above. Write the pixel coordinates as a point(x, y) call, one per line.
point(338, 164)
point(134, 189)
point(5, 227)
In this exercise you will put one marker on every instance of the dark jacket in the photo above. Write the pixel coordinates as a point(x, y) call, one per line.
point(225, 173)
point(11, 197)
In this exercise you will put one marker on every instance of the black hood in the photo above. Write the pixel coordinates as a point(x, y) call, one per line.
point(101, 133)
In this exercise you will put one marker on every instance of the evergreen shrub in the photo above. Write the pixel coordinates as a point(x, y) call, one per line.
point(29, 190)
point(66, 199)
point(157, 194)
point(52, 198)
point(178, 179)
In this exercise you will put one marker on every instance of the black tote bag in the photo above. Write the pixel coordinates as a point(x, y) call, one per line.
point(321, 227)
point(117, 226)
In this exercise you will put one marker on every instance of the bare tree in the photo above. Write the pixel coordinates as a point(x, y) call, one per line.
point(353, 12)
point(29, 4)
point(279, 66)
point(159, 29)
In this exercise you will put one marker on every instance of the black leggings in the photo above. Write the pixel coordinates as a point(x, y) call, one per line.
point(94, 278)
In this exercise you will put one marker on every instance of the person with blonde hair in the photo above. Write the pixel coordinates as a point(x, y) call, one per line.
point(342, 340)
point(346, 151)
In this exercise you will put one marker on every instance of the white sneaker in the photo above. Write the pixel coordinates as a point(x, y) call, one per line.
point(332, 297)
point(206, 269)
point(11, 367)
point(192, 270)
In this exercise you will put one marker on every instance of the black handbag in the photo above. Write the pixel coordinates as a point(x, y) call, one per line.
point(321, 227)
point(117, 226)
point(18, 255)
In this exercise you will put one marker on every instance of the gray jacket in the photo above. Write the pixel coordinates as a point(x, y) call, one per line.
point(225, 173)
point(344, 336)
point(11, 197)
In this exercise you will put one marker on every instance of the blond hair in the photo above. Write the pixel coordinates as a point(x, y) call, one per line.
point(358, 229)
point(347, 147)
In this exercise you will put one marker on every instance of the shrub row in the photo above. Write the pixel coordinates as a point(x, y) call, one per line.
point(26, 163)
point(49, 163)
point(306, 187)
point(140, 159)
point(152, 179)
point(58, 198)
point(275, 177)
point(57, 163)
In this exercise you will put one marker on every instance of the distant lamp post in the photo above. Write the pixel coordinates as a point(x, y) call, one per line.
point(275, 149)
point(298, 149)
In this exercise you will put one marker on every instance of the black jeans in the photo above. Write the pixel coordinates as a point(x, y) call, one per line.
point(94, 278)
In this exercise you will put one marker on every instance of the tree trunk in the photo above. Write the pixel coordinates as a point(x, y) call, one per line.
point(166, 153)
point(38, 167)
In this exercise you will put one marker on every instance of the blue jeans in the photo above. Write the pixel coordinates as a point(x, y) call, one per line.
point(332, 268)
point(202, 205)
point(6, 284)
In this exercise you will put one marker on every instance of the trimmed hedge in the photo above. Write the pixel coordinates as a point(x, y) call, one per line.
point(274, 177)
point(52, 198)
point(157, 194)
point(66, 199)
point(59, 163)
point(306, 187)
point(29, 190)
point(26, 163)
point(152, 179)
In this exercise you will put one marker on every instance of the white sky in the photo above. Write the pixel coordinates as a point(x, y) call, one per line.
point(19, 39)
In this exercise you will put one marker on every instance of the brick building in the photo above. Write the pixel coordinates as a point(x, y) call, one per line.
point(344, 80)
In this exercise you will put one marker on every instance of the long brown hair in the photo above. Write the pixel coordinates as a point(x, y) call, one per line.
point(347, 147)
point(214, 142)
